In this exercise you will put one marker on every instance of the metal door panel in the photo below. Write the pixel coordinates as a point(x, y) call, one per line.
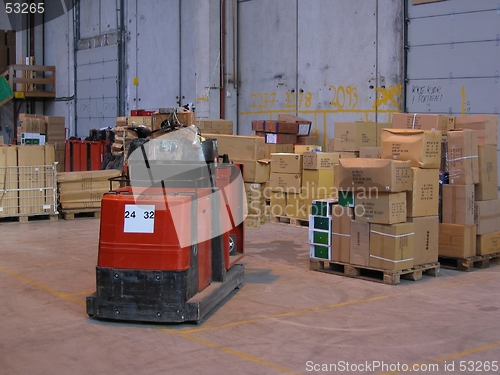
point(478, 59)
point(463, 27)
point(157, 55)
point(267, 49)
point(453, 96)
point(96, 89)
point(450, 7)
point(335, 66)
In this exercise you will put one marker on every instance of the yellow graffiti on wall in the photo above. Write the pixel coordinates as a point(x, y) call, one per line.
point(463, 100)
point(388, 95)
point(344, 99)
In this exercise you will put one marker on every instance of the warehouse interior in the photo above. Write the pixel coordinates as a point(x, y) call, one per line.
point(245, 186)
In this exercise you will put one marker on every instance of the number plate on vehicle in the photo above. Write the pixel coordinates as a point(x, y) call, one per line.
point(139, 219)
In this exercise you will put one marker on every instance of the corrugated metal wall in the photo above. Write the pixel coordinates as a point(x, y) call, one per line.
point(453, 59)
point(326, 61)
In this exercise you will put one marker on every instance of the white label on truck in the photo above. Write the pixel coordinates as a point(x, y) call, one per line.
point(139, 218)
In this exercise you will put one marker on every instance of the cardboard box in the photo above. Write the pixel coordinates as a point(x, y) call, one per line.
point(426, 239)
point(369, 152)
point(60, 156)
point(457, 241)
point(9, 203)
point(319, 160)
point(300, 149)
point(487, 216)
point(422, 147)
point(299, 206)
point(343, 154)
point(280, 138)
point(252, 222)
point(341, 233)
point(80, 205)
point(32, 125)
point(215, 126)
point(423, 199)
point(286, 163)
point(275, 126)
point(31, 179)
point(350, 136)
point(123, 121)
point(88, 176)
point(486, 127)
point(256, 200)
point(392, 246)
point(82, 196)
point(240, 147)
point(278, 203)
point(286, 182)
point(70, 187)
point(380, 127)
point(488, 243)
point(184, 117)
point(423, 121)
point(307, 140)
point(458, 204)
point(487, 187)
point(318, 181)
point(256, 171)
point(381, 208)
point(304, 125)
point(359, 251)
point(279, 148)
point(463, 164)
point(375, 175)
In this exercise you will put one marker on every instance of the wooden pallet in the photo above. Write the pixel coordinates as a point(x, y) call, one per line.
point(290, 221)
point(25, 218)
point(467, 264)
point(389, 277)
point(81, 213)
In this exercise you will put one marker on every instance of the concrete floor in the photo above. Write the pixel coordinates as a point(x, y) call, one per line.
point(285, 320)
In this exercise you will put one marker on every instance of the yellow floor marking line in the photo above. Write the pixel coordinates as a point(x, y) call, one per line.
point(44, 287)
point(283, 315)
point(232, 351)
point(450, 356)
point(327, 307)
point(46, 264)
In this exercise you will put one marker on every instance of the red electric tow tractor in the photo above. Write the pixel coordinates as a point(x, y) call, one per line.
point(170, 241)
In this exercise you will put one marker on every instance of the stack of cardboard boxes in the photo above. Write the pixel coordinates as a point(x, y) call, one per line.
point(40, 130)
point(27, 180)
point(473, 171)
point(250, 152)
point(123, 136)
point(215, 126)
point(387, 211)
point(84, 190)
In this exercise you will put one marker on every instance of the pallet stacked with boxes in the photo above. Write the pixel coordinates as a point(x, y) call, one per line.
point(391, 229)
point(81, 192)
point(470, 229)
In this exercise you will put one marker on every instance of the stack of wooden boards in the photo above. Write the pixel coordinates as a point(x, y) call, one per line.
point(84, 190)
